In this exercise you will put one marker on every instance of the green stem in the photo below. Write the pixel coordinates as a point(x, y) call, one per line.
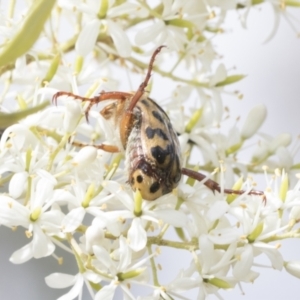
point(62, 143)
point(278, 237)
point(153, 267)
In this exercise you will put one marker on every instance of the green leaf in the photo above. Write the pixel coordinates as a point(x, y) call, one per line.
point(28, 32)
point(292, 3)
point(12, 118)
point(230, 79)
point(255, 2)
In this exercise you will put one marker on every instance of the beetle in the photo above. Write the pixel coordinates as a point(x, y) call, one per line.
point(152, 150)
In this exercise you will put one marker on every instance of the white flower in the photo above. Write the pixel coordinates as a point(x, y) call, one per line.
point(153, 211)
point(121, 269)
point(82, 201)
point(89, 33)
point(41, 222)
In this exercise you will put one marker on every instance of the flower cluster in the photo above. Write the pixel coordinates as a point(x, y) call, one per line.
point(78, 198)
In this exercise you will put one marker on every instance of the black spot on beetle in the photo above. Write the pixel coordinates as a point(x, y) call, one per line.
point(177, 177)
point(139, 178)
point(158, 116)
point(157, 131)
point(154, 187)
point(145, 102)
point(160, 154)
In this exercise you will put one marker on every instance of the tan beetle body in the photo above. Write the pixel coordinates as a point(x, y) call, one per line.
point(152, 150)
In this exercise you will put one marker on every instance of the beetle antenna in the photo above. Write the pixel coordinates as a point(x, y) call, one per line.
point(136, 97)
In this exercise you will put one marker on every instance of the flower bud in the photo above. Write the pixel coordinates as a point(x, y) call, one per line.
point(281, 140)
point(219, 76)
point(254, 120)
point(85, 157)
point(17, 184)
point(285, 158)
point(94, 235)
point(293, 267)
point(260, 154)
point(295, 213)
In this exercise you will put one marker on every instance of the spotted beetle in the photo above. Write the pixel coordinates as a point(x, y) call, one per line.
point(152, 151)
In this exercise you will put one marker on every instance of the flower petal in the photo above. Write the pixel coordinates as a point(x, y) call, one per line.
point(73, 219)
point(22, 255)
point(149, 33)
point(120, 38)
point(137, 235)
point(103, 256)
point(172, 217)
point(224, 236)
point(125, 254)
point(60, 280)
point(107, 292)
point(218, 209)
point(242, 267)
point(75, 290)
point(41, 243)
point(87, 38)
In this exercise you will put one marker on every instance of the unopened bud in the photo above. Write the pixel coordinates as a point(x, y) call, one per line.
point(85, 157)
point(253, 122)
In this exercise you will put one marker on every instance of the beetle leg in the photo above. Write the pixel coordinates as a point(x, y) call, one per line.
point(214, 186)
point(128, 116)
point(94, 100)
point(107, 148)
point(138, 94)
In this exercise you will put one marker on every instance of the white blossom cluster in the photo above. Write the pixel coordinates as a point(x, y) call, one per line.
point(79, 199)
